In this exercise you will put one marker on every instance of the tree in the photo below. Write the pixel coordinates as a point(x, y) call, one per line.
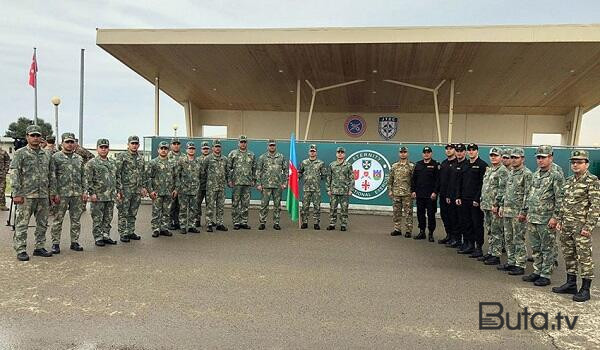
point(17, 129)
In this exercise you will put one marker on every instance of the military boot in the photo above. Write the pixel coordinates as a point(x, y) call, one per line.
point(407, 235)
point(445, 239)
point(468, 249)
point(42, 252)
point(55, 249)
point(304, 226)
point(584, 292)
point(316, 227)
point(430, 237)
point(570, 287)
point(421, 235)
point(493, 260)
point(22, 256)
point(531, 278)
point(396, 233)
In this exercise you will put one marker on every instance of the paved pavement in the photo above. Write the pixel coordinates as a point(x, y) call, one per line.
point(271, 289)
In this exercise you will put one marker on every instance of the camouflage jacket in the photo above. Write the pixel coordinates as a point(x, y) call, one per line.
point(215, 169)
point(545, 196)
point(271, 170)
point(313, 172)
point(176, 155)
point(517, 188)
point(399, 181)
point(31, 173)
point(131, 172)
point(200, 159)
point(581, 202)
point(340, 179)
point(85, 154)
point(189, 175)
point(4, 162)
point(68, 174)
point(51, 150)
point(161, 176)
point(101, 178)
point(241, 167)
point(494, 184)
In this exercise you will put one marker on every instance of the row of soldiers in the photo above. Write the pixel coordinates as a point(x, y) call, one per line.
point(507, 201)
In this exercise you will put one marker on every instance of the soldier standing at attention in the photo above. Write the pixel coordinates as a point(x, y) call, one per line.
point(340, 181)
point(271, 171)
point(542, 209)
point(161, 177)
point(423, 188)
point(30, 177)
point(313, 171)
point(214, 167)
point(399, 185)
point(202, 191)
point(506, 160)
point(458, 229)
point(174, 156)
point(4, 166)
point(68, 180)
point(100, 175)
point(86, 156)
point(446, 208)
point(241, 167)
point(187, 189)
point(131, 187)
point(51, 145)
point(579, 214)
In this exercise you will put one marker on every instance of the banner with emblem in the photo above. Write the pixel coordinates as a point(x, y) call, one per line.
point(388, 126)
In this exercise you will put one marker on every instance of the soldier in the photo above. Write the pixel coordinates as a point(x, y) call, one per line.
point(175, 155)
point(423, 188)
point(214, 167)
point(542, 210)
point(492, 194)
point(51, 145)
point(313, 171)
point(456, 236)
point(161, 184)
point(506, 160)
point(68, 180)
point(399, 185)
point(86, 156)
point(271, 171)
point(4, 166)
point(30, 178)
point(188, 185)
point(241, 168)
point(202, 191)
point(340, 181)
point(578, 215)
point(100, 175)
point(131, 187)
point(511, 210)
point(446, 209)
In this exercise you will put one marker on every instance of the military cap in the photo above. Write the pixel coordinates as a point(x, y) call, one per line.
point(544, 150)
point(51, 139)
point(243, 138)
point(495, 151)
point(217, 143)
point(403, 149)
point(271, 142)
point(133, 139)
point(579, 154)
point(205, 144)
point(460, 147)
point(506, 152)
point(313, 146)
point(33, 129)
point(68, 136)
point(427, 149)
point(190, 145)
point(340, 149)
point(450, 145)
point(472, 146)
point(517, 152)
point(175, 140)
point(102, 142)
point(163, 144)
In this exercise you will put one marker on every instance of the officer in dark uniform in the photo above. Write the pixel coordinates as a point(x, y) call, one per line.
point(424, 189)
point(446, 210)
point(468, 199)
point(456, 223)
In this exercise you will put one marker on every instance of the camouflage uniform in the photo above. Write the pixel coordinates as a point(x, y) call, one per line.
point(174, 205)
point(86, 156)
point(492, 194)
point(340, 181)
point(399, 183)
point(313, 172)
point(131, 171)
point(188, 185)
point(241, 173)
point(202, 188)
point(214, 167)
point(4, 166)
point(271, 171)
point(161, 178)
point(101, 181)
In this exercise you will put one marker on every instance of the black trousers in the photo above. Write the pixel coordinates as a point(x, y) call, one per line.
point(474, 215)
point(455, 214)
point(429, 207)
point(446, 214)
point(466, 223)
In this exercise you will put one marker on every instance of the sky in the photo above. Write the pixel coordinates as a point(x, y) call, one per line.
point(119, 103)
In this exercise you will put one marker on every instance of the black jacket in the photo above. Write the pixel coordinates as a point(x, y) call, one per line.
point(454, 178)
point(424, 178)
point(443, 178)
point(471, 180)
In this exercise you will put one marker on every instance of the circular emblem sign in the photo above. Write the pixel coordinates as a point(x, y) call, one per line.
point(371, 171)
point(355, 126)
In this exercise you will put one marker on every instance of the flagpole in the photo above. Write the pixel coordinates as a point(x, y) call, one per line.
point(35, 105)
point(81, 101)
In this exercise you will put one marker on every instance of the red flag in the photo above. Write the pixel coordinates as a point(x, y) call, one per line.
point(33, 72)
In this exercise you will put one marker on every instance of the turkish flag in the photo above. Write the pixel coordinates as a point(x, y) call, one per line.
point(33, 72)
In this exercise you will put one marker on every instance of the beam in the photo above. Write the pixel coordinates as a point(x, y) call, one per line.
point(437, 115)
point(451, 111)
point(576, 126)
point(156, 106)
point(339, 85)
point(408, 85)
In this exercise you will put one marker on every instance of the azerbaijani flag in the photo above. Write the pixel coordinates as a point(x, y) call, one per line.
point(293, 194)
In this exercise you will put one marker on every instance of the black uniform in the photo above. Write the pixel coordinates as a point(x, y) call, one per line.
point(469, 192)
point(446, 210)
point(424, 183)
point(456, 223)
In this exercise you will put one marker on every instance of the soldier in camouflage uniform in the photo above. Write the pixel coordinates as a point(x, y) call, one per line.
point(214, 167)
point(241, 168)
point(100, 176)
point(399, 185)
point(131, 187)
point(174, 156)
point(542, 209)
point(313, 171)
point(31, 175)
point(577, 218)
point(202, 191)
point(4, 166)
point(271, 171)
point(51, 145)
point(86, 156)
point(161, 175)
point(511, 211)
point(187, 190)
point(340, 181)
point(68, 180)
point(506, 160)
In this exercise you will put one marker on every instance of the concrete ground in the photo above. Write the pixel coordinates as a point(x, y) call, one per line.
point(271, 289)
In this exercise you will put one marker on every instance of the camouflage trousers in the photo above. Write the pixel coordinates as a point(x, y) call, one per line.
point(543, 245)
point(314, 198)
point(240, 200)
point(2, 190)
point(127, 212)
point(514, 239)
point(494, 226)
point(199, 199)
point(102, 215)
point(403, 208)
point(174, 211)
point(32, 206)
point(267, 195)
point(187, 210)
point(577, 251)
point(215, 204)
point(73, 205)
point(160, 213)
point(342, 201)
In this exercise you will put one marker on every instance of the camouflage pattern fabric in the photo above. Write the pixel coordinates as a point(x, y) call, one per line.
point(240, 201)
point(399, 181)
point(314, 198)
point(340, 181)
point(102, 214)
point(492, 194)
point(269, 194)
point(37, 207)
point(214, 167)
point(69, 182)
point(4, 167)
point(174, 206)
point(340, 200)
point(187, 210)
point(202, 192)
point(84, 154)
point(543, 246)
point(131, 180)
point(215, 204)
point(161, 176)
point(188, 186)
point(74, 205)
point(101, 175)
point(403, 209)
point(494, 226)
point(516, 191)
point(271, 170)
point(514, 236)
point(312, 172)
point(241, 166)
point(31, 173)
point(160, 213)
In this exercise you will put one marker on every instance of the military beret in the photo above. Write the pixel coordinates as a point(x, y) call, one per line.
point(495, 151)
point(243, 138)
point(271, 142)
point(216, 143)
point(579, 154)
point(175, 140)
point(313, 146)
point(340, 149)
point(33, 129)
point(68, 136)
point(133, 139)
point(460, 147)
point(427, 149)
point(205, 144)
point(544, 151)
point(472, 146)
point(190, 145)
point(517, 152)
point(403, 149)
point(102, 142)
point(163, 144)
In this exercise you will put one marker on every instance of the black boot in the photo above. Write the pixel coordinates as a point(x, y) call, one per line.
point(407, 234)
point(421, 235)
point(55, 249)
point(430, 237)
point(531, 278)
point(450, 243)
point(584, 292)
point(316, 227)
point(304, 226)
point(493, 260)
point(455, 244)
point(396, 233)
point(468, 248)
point(477, 253)
point(570, 287)
point(444, 240)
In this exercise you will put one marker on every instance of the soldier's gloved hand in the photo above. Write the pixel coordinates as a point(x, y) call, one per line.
point(585, 233)
point(19, 200)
